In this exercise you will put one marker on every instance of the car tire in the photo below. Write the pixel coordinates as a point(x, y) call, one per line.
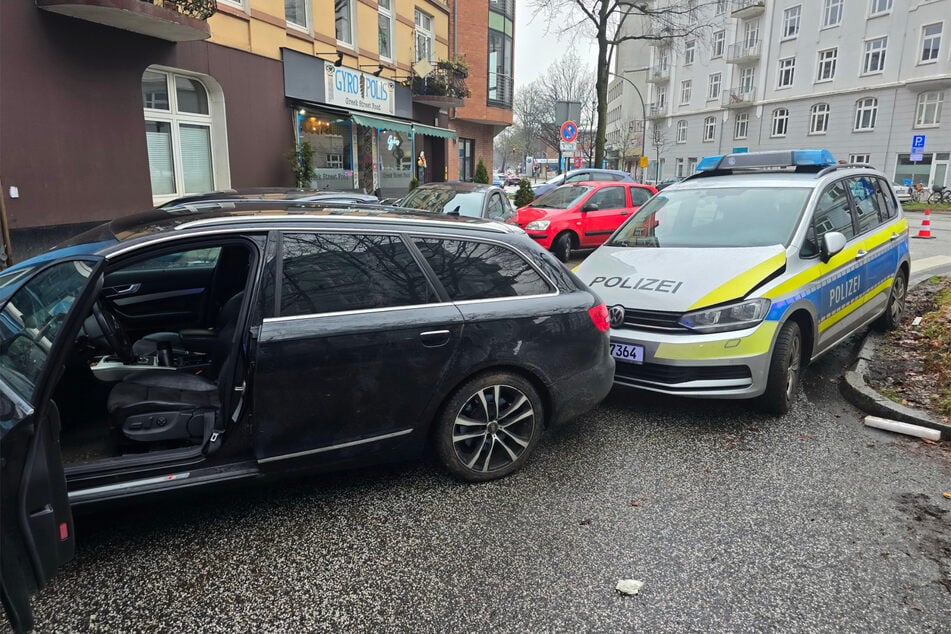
point(895, 310)
point(782, 382)
point(476, 441)
point(562, 245)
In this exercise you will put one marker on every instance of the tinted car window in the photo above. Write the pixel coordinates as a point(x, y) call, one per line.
point(639, 196)
point(497, 207)
point(192, 259)
point(832, 212)
point(324, 273)
point(868, 204)
point(446, 200)
point(609, 198)
point(887, 196)
point(476, 270)
point(580, 178)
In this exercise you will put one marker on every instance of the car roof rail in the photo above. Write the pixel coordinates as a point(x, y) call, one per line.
point(841, 166)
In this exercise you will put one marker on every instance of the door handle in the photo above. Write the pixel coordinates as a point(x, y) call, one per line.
point(124, 290)
point(894, 236)
point(625, 213)
point(860, 254)
point(434, 338)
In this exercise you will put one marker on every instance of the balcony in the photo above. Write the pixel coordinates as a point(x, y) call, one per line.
point(658, 74)
point(444, 86)
point(742, 52)
point(500, 92)
point(745, 9)
point(656, 110)
point(738, 97)
point(170, 20)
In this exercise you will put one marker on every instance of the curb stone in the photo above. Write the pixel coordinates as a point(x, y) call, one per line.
point(859, 393)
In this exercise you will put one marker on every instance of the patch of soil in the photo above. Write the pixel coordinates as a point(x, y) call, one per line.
point(905, 367)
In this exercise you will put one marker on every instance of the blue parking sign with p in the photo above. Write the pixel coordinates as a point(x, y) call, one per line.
point(918, 142)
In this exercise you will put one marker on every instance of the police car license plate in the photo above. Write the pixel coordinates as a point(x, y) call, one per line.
point(627, 352)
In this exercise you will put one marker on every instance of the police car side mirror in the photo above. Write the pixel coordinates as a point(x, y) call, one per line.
point(832, 243)
point(590, 207)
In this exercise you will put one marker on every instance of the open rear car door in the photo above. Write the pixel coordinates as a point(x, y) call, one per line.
point(40, 315)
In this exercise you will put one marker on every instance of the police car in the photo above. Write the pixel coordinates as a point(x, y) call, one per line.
point(725, 285)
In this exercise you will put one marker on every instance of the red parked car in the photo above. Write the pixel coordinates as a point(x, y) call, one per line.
point(580, 215)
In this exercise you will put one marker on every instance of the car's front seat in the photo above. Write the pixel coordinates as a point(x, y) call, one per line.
point(173, 405)
point(212, 341)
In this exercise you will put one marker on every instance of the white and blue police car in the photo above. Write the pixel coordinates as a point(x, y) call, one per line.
point(726, 284)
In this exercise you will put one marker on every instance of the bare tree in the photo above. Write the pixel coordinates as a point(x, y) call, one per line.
point(658, 140)
point(612, 22)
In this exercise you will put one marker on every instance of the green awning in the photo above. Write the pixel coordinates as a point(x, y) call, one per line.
point(385, 123)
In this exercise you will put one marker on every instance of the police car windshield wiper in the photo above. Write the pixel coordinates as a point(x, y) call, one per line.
point(636, 242)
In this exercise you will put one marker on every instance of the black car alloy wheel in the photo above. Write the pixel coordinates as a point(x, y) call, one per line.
point(489, 427)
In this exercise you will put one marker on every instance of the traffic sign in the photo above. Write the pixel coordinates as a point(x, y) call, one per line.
point(569, 131)
point(917, 148)
point(577, 162)
point(643, 162)
point(567, 146)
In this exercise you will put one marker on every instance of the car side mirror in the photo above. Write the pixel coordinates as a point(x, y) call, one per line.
point(832, 243)
point(590, 207)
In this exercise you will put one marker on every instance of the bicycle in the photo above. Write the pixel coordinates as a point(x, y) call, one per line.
point(939, 194)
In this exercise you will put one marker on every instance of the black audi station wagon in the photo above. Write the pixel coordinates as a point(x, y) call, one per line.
point(172, 350)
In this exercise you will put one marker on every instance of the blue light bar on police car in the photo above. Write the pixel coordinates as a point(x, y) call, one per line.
point(753, 160)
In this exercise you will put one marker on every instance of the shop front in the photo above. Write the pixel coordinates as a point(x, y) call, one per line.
point(359, 127)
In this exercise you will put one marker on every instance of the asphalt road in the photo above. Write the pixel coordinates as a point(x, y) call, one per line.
point(733, 520)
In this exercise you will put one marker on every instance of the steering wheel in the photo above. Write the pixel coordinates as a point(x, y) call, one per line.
point(112, 332)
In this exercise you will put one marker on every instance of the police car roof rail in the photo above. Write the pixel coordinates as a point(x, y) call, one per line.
point(409, 219)
point(842, 166)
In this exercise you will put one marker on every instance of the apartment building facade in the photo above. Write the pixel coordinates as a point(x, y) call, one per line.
point(108, 107)
point(859, 77)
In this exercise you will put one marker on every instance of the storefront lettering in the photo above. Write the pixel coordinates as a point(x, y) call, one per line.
point(359, 91)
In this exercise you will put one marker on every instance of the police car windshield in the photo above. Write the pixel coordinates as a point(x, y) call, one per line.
point(561, 198)
point(445, 201)
point(715, 217)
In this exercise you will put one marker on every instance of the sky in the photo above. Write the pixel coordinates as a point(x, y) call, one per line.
point(536, 49)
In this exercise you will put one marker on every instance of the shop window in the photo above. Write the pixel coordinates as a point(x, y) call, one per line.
point(913, 171)
point(396, 159)
point(332, 141)
point(466, 159)
point(184, 133)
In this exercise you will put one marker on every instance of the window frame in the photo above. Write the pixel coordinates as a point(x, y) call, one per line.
point(829, 63)
point(791, 19)
point(351, 20)
point(922, 106)
point(745, 122)
point(718, 45)
point(387, 14)
point(686, 91)
point(682, 131)
point(862, 106)
point(714, 81)
point(819, 112)
point(874, 12)
point(690, 52)
point(421, 31)
point(308, 18)
point(936, 50)
point(831, 8)
point(786, 74)
point(779, 123)
point(213, 122)
point(871, 53)
point(709, 130)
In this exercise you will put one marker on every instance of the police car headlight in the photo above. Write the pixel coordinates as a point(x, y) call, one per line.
point(732, 317)
point(538, 225)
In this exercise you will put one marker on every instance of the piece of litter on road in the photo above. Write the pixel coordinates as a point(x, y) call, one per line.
point(947, 494)
point(902, 428)
point(916, 321)
point(629, 586)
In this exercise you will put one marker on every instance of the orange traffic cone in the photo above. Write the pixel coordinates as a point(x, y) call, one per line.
point(925, 231)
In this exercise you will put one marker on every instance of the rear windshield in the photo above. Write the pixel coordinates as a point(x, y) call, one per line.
point(715, 217)
point(561, 198)
point(446, 201)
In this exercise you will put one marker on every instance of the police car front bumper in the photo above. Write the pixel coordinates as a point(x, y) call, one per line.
point(717, 365)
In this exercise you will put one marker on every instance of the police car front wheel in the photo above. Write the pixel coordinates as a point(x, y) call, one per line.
point(782, 383)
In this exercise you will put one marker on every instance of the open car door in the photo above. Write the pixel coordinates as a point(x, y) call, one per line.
point(39, 320)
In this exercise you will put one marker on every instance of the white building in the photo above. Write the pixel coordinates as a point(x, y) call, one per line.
point(859, 77)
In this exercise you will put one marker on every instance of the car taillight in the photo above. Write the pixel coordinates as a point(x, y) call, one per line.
point(599, 315)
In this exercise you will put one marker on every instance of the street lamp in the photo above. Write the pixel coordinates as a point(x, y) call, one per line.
point(643, 110)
